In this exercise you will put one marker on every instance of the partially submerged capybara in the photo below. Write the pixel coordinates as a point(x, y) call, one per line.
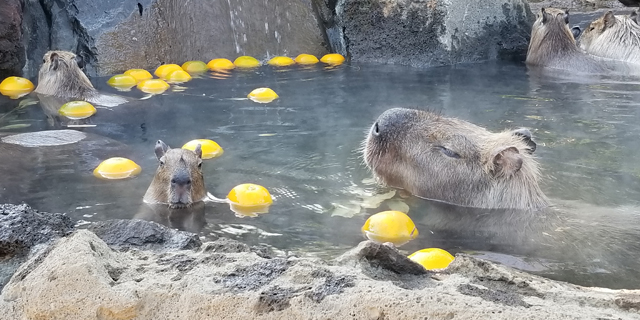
point(454, 161)
point(553, 45)
point(613, 36)
point(178, 181)
point(60, 75)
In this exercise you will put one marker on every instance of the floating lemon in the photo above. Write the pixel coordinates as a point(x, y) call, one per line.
point(194, 67)
point(15, 87)
point(165, 69)
point(155, 86)
point(281, 61)
point(332, 58)
point(246, 62)
point(221, 64)
point(263, 95)
point(117, 168)
point(210, 149)
point(306, 59)
point(178, 76)
point(122, 81)
point(77, 110)
point(249, 200)
point(390, 226)
point(432, 258)
point(139, 74)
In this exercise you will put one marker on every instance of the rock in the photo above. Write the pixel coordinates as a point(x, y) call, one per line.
point(124, 234)
point(22, 228)
point(385, 256)
point(12, 54)
point(423, 33)
point(82, 278)
point(114, 35)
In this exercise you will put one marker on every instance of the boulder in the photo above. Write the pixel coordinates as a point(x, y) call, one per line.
point(114, 35)
point(124, 234)
point(83, 278)
point(423, 33)
point(12, 55)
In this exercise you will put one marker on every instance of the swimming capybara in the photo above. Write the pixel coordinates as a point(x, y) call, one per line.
point(454, 161)
point(61, 76)
point(614, 37)
point(553, 45)
point(178, 181)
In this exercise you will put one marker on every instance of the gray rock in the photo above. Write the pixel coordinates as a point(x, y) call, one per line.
point(433, 33)
point(12, 55)
point(126, 234)
point(21, 229)
point(114, 35)
point(385, 256)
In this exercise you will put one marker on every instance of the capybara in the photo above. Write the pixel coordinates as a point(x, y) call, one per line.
point(614, 37)
point(178, 181)
point(454, 161)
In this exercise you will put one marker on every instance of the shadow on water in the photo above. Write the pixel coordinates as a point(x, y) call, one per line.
point(303, 147)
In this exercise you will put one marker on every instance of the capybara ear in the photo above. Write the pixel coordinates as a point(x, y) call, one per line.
point(576, 31)
point(507, 161)
point(609, 19)
point(544, 15)
point(634, 16)
point(80, 61)
point(566, 16)
point(160, 149)
point(55, 62)
point(527, 138)
point(198, 151)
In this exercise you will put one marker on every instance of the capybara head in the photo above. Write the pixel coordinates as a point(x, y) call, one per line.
point(178, 180)
point(614, 37)
point(60, 75)
point(550, 37)
point(454, 161)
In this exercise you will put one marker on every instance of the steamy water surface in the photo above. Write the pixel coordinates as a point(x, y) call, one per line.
point(304, 148)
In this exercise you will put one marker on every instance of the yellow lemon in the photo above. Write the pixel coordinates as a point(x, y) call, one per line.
point(15, 87)
point(432, 258)
point(178, 76)
point(332, 58)
point(164, 70)
point(306, 59)
point(246, 62)
point(281, 61)
point(139, 74)
point(210, 149)
point(390, 226)
point(220, 64)
point(249, 194)
point(122, 81)
point(155, 86)
point(194, 67)
point(77, 110)
point(262, 95)
point(117, 168)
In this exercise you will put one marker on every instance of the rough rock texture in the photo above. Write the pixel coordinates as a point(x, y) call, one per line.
point(22, 228)
point(434, 32)
point(124, 234)
point(12, 55)
point(115, 35)
point(82, 278)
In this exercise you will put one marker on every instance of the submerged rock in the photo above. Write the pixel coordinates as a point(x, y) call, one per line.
point(83, 278)
point(432, 33)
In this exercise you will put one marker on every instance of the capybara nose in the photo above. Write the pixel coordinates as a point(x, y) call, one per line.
point(181, 180)
point(375, 130)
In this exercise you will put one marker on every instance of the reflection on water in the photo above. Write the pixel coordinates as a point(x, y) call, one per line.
point(304, 148)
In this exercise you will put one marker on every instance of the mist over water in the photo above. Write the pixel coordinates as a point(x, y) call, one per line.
point(304, 148)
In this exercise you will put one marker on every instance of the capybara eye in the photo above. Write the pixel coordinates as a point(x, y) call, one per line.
point(449, 152)
point(200, 165)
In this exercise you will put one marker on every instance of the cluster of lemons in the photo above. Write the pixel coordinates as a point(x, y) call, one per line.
point(396, 227)
point(246, 199)
point(176, 74)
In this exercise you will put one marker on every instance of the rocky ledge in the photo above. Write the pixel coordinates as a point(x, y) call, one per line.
point(147, 271)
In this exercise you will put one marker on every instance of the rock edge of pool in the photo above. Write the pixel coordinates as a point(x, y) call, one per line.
point(134, 269)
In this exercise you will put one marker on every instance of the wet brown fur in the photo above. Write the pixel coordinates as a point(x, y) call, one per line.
point(172, 163)
point(552, 44)
point(454, 161)
point(61, 76)
point(614, 37)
